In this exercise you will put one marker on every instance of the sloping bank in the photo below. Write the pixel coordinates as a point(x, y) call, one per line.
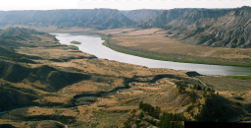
point(171, 57)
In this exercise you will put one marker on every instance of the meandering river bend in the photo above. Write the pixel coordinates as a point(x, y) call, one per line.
point(93, 45)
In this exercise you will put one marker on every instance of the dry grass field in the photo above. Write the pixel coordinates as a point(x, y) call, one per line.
point(68, 88)
point(105, 92)
point(159, 44)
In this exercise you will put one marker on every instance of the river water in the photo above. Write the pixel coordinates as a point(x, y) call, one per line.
point(92, 44)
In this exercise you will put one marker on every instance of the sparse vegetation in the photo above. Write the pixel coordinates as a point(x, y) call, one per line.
point(171, 49)
point(75, 42)
point(182, 85)
point(218, 109)
point(58, 86)
point(166, 120)
point(152, 111)
point(240, 77)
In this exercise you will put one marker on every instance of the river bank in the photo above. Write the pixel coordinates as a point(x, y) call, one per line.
point(160, 45)
point(63, 86)
point(94, 45)
point(152, 55)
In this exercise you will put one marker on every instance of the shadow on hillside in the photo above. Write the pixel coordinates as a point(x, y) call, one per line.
point(220, 109)
point(53, 78)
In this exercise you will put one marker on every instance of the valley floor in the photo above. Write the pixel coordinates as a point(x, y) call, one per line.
point(53, 85)
point(160, 44)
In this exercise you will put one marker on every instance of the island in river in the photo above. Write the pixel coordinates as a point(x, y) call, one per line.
point(94, 45)
point(75, 42)
point(45, 83)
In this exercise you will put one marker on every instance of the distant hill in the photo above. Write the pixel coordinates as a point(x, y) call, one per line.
point(142, 15)
point(84, 18)
point(96, 18)
point(46, 84)
point(210, 27)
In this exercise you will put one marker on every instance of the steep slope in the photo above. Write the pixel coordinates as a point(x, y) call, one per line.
point(140, 16)
point(166, 17)
point(210, 27)
point(217, 27)
point(81, 91)
point(96, 18)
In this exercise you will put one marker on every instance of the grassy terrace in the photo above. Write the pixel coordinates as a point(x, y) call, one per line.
point(61, 89)
point(159, 44)
point(174, 58)
point(240, 77)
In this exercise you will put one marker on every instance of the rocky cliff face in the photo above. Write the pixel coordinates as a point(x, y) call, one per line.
point(95, 18)
point(217, 28)
point(210, 27)
point(46, 87)
point(58, 86)
point(140, 16)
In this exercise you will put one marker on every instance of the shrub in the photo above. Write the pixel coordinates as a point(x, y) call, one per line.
point(152, 111)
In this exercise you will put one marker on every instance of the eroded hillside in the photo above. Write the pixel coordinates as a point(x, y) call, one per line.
point(210, 27)
point(45, 84)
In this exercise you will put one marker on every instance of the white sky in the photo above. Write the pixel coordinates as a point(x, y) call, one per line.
point(118, 4)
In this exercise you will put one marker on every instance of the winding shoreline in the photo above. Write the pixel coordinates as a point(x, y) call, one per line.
point(94, 45)
point(162, 58)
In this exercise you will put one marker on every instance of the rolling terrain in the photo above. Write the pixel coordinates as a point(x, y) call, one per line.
point(209, 27)
point(156, 43)
point(46, 84)
point(143, 15)
point(207, 36)
point(96, 18)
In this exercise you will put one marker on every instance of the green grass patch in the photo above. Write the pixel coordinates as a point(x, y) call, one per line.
point(75, 42)
point(239, 77)
point(174, 59)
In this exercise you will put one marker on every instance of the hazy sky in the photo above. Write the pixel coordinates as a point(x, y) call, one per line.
point(119, 4)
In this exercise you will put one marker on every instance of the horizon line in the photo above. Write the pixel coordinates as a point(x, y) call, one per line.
point(116, 9)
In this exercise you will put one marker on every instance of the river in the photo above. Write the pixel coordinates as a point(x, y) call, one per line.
point(92, 44)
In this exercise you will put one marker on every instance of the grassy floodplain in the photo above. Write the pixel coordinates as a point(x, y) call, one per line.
point(70, 88)
point(158, 44)
point(240, 77)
